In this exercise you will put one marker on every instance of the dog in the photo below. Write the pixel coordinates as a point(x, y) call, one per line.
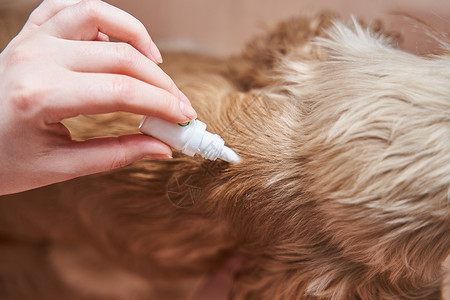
point(341, 193)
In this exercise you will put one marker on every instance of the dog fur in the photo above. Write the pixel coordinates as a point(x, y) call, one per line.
point(342, 191)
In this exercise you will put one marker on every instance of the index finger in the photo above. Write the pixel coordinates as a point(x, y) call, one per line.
point(92, 93)
point(84, 20)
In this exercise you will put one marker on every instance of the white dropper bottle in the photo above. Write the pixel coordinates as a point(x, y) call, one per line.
point(190, 139)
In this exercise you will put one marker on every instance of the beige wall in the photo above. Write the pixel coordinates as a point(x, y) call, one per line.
point(221, 27)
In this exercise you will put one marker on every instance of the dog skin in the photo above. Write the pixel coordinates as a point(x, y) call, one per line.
point(342, 191)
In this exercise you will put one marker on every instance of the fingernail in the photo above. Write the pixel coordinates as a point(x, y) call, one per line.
point(155, 53)
point(185, 123)
point(159, 156)
point(186, 108)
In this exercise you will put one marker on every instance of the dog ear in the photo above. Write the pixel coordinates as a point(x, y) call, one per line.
point(289, 39)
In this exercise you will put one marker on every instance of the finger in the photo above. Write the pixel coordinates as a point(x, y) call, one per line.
point(185, 99)
point(101, 37)
point(92, 93)
point(47, 9)
point(84, 20)
point(104, 154)
point(116, 58)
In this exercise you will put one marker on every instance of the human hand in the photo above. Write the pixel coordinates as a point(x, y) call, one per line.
point(57, 68)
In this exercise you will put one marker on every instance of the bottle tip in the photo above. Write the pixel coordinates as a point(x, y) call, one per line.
point(229, 155)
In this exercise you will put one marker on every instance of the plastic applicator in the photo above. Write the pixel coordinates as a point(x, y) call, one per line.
point(191, 138)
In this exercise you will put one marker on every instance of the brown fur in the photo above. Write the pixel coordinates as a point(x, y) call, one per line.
point(342, 192)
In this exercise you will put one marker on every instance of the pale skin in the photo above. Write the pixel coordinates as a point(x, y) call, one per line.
point(61, 65)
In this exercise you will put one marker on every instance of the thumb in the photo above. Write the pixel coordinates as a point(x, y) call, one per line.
point(108, 153)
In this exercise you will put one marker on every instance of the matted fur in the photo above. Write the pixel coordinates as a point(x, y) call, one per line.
point(342, 192)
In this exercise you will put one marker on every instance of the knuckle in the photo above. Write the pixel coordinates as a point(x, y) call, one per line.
point(26, 98)
point(169, 103)
point(20, 54)
point(121, 159)
point(124, 55)
point(170, 85)
point(27, 48)
point(90, 8)
point(123, 88)
point(117, 162)
point(21, 101)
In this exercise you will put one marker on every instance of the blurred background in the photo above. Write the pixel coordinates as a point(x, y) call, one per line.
point(221, 27)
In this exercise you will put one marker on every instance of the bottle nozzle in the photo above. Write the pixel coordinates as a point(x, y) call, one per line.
point(191, 138)
point(229, 155)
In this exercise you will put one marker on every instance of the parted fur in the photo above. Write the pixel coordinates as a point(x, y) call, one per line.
point(342, 191)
